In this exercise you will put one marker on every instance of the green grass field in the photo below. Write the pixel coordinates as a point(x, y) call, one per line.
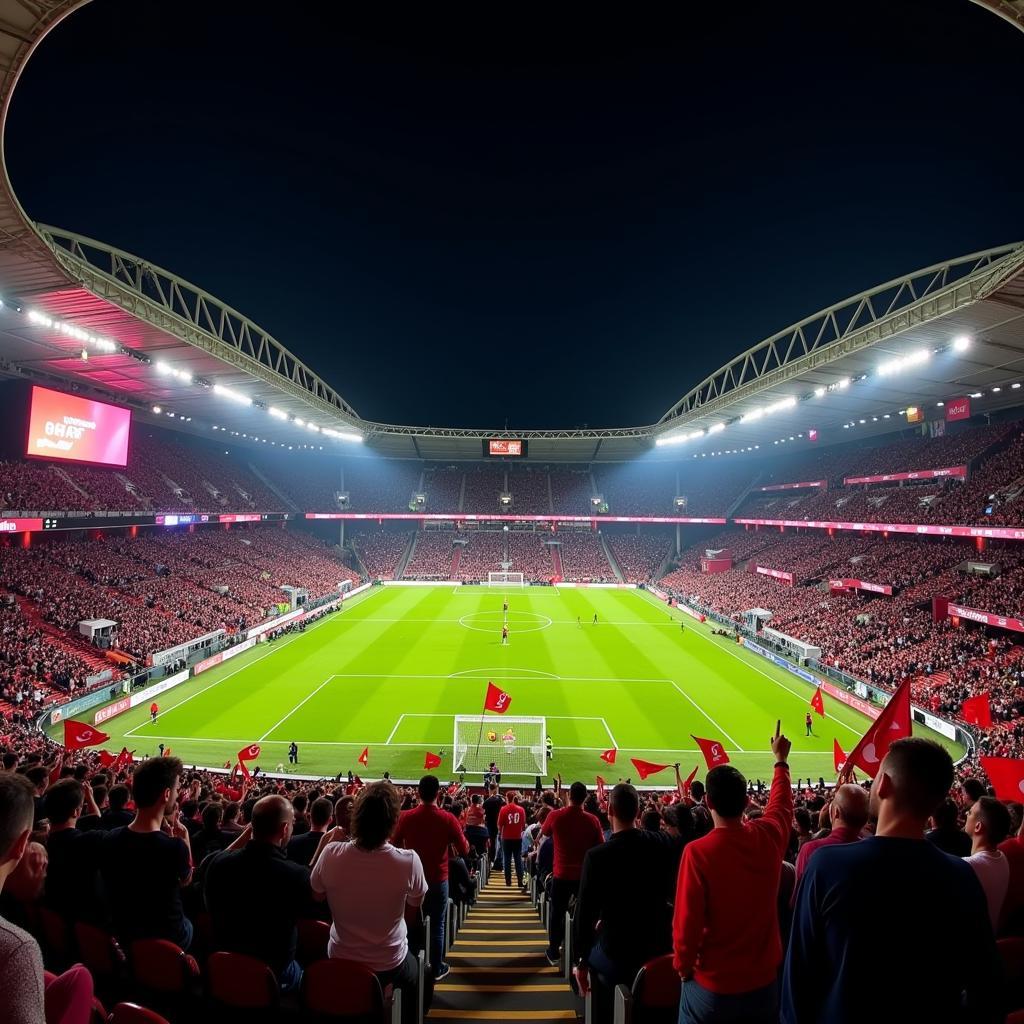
point(391, 670)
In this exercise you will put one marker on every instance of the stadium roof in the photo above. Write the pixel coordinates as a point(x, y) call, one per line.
point(152, 340)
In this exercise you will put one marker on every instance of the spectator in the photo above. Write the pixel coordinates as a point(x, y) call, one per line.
point(492, 808)
point(476, 828)
point(511, 823)
point(263, 927)
point(848, 813)
point(145, 864)
point(431, 832)
point(210, 838)
point(725, 927)
point(116, 814)
point(302, 848)
point(624, 887)
point(574, 831)
point(370, 885)
point(1013, 906)
point(21, 965)
point(944, 832)
point(851, 905)
point(72, 874)
point(988, 824)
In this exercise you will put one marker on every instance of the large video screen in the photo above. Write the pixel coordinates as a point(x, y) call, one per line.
point(504, 447)
point(76, 429)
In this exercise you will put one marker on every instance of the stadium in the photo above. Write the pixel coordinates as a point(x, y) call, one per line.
point(211, 562)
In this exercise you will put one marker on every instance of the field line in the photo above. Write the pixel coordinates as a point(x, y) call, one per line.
point(391, 734)
point(308, 696)
point(679, 689)
point(610, 736)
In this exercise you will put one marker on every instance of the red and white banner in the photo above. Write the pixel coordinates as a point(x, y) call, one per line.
point(776, 574)
point(793, 487)
point(239, 517)
point(958, 409)
point(14, 525)
point(849, 699)
point(987, 618)
point(715, 564)
point(119, 707)
point(848, 584)
point(916, 474)
point(993, 532)
point(699, 616)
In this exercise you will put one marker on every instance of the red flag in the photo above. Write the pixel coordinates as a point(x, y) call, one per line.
point(249, 753)
point(1006, 775)
point(431, 761)
point(891, 725)
point(123, 759)
point(497, 699)
point(976, 711)
point(244, 768)
point(645, 768)
point(107, 759)
point(688, 781)
point(818, 702)
point(80, 734)
point(364, 757)
point(608, 756)
point(602, 793)
point(838, 757)
point(713, 751)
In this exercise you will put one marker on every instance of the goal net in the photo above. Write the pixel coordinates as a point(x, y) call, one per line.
point(505, 579)
point(516, 745)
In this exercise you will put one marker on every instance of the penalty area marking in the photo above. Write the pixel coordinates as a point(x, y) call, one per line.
point(473, 673)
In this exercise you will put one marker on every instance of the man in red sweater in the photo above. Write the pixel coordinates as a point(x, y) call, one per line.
point(848, 813)
point(725, 928)
point(430, 831)
point(573, 831)
point(511, 824)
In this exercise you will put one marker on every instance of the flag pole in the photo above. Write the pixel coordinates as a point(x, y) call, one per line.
point(480, 734)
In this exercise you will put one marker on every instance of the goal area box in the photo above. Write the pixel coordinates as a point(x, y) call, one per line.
point(505, 579)
point(525, 753)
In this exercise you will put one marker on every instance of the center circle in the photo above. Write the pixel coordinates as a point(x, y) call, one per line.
point(518, 622)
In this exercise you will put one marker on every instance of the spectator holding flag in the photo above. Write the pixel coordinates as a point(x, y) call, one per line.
point(725, 927)
point(852, 907)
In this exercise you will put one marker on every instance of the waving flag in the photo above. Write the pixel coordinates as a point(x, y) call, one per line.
point(431, 761)
point(608, 756)
point(80, 734)
point(688, 781)
point(976, 711)
point(602, 792)
point(106, 758)
point(645, 768)
point(838, 757)
point(713, 751)
point(818, 702)
point(1006, 775)
point(497, 699)
point(123, 759)
point(249, 753)
point(891, 725)
point(364, 757)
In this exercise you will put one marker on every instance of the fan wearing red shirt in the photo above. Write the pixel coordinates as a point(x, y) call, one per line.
point(725, 928)
point(430, 831)
point(573, 831)
point(511, 824)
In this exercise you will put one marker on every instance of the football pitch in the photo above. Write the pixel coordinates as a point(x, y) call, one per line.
point(392, 669)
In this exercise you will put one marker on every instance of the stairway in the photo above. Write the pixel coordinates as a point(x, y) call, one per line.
point(72, 643)
point(499, 971)
point(610, 558)
point(556, 559)
point(453, 572)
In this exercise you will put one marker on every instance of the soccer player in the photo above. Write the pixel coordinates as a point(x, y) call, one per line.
point(595, 618)
point(509, 739)
point(808, 722)
point(504, 607)
point(682, 626)
point(551, 749)
point(154, 710)
point(578, 623)
point(293, 752)
point(504, 635)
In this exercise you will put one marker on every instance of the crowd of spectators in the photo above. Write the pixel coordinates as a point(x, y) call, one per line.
point(571, 491)
point(381, 551)
point(443, 488)
point(639, 555)
point(529, 555)
point(482, 488)
point(483, 554)
point(431, 557)
point(583, 558)
point(529, 490)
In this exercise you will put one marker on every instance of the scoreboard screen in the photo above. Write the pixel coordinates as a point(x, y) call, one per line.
point(505, 447)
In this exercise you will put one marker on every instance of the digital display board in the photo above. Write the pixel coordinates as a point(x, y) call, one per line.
point(76, 429)
point(505, 447)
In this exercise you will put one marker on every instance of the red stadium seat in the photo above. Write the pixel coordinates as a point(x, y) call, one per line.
point(162, 966)
point(313, 939)
point(99, 950)
point(132, 1013)
point(56, 933)
point(341, 988)
point(241, 982)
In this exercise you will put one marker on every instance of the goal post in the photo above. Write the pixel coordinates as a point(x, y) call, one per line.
point(505, 579)
point(518, 746)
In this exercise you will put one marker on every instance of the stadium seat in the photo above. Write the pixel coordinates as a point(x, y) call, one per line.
point(313, 938)
point(344, 990)
point(99, 951)
point(1011, 953)
point(132, 1013)
point(56, 935)
point(241, 982)
point(161, 966)
point(654, 996)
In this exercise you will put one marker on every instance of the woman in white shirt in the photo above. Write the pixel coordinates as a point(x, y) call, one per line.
point(368, 884)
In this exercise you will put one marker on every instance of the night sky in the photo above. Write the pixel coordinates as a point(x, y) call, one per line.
point(489, 214)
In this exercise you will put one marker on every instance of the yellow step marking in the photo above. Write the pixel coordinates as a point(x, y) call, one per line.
point(555, 987)
point(491, 931)
point(503, 1014)
point(471, 955)
point(501, 942)
point(504, 970)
